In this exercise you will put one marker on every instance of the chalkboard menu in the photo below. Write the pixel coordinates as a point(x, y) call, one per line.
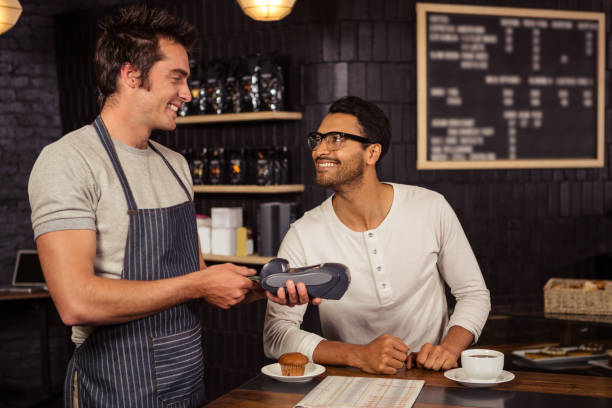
point(502, 87)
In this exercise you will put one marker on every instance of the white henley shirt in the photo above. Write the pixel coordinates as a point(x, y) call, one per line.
point(397, 271)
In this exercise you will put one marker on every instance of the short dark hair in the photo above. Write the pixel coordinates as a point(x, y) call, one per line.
point(371, 118)
point(133, 36)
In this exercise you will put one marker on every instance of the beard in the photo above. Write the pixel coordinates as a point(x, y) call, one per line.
point(344, 175)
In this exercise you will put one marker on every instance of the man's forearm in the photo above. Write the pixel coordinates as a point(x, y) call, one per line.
point(337, 353)
point(384, 355)
point(82, 298)
point(457, 339)
point(111, 301)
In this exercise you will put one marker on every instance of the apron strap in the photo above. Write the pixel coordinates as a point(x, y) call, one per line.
point(110, 149)
point(172, 170)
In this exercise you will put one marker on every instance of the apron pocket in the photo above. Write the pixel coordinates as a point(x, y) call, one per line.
point(179, 366)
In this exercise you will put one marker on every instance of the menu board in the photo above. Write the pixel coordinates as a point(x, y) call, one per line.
point(502, 87)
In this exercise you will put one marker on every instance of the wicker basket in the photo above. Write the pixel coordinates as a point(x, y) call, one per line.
point(578, 301)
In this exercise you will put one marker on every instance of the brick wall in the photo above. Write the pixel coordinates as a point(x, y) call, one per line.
point(29, 114)
point(29, 120)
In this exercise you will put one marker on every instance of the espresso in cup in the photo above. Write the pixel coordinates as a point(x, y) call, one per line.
point(482, 364)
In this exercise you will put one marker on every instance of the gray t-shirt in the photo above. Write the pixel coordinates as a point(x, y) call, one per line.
point(73, 185)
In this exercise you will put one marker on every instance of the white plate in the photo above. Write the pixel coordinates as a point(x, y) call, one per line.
point(560, 359)
point(311, 371)
point(459, 375)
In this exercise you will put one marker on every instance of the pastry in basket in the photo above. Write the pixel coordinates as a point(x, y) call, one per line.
point(588, 285)
point(594, 348)
point(546, 352)
point(553, 351)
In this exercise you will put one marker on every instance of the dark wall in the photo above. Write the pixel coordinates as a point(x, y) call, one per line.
point(29, 120)
point(524, 225)
point(29, 114)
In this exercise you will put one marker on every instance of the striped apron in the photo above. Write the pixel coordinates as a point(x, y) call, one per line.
point(155, 361)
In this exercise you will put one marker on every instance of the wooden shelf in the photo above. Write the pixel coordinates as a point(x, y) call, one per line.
point(249, 259)
point(248, 188)
point(239, 117)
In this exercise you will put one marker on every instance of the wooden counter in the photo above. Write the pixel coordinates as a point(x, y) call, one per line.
point(528, 389)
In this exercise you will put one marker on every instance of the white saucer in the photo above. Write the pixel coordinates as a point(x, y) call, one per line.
point(458, 375)
point(311, 371)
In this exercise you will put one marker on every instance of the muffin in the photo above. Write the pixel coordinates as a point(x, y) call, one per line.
point(293, 364)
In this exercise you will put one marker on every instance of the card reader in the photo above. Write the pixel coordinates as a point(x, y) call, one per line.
point(327, 280)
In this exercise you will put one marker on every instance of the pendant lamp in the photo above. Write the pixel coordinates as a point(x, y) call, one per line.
point(266, 10)
point(10, 10)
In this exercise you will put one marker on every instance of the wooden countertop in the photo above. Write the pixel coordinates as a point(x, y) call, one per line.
point(527, 389)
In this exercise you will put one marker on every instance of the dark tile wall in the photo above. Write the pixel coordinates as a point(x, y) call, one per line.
point(29, 120)
point(524, 225)
point(29, 113)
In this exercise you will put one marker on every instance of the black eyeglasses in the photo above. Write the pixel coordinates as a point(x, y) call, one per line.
point(333, 140)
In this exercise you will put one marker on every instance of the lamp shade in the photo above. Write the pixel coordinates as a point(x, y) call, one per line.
point(10, 10)
point(266, 10)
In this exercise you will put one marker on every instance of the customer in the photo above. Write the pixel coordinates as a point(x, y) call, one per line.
point(114, 222)
point(401, 243)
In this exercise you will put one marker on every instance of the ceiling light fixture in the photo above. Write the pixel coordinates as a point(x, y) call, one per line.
point(10, 10)
point(266, 10)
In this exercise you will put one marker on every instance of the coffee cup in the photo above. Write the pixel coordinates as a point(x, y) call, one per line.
point(482, 364)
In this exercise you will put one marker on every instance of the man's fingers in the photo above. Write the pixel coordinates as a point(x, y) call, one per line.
point(435, 358)
point(249, 284)
point(398, 355)
point(273, 298)
point(302, 293)
point(400, 346)
point(449, 363)
point(395, 363)
point(440, 358)
point(386, 369)
point(394, 342)
point(436, 361)
point(238, 300)
point(293, 297)
point(280, 293)
point(242, 270)
point(423, 355)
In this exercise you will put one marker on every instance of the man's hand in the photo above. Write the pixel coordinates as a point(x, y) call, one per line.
point(224, 285)
point(445, 355)
point(433, 358)
point(295, 295)
point(257, 293)
point(384, 355)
